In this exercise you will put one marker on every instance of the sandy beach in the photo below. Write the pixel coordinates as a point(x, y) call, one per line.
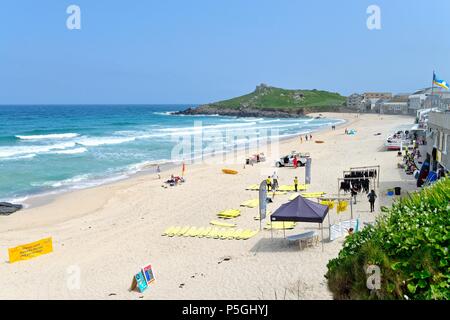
point(108, 233)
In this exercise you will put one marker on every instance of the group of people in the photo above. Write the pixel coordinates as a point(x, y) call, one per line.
point(408, 161)
point(307, 137)
point(272, 182)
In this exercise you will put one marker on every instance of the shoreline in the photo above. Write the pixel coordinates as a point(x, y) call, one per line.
point(47, 197)
point(115, 229)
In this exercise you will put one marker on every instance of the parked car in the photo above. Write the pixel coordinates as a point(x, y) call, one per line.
point(288, 160)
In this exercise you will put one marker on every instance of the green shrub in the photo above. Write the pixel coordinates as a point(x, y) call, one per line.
point(409, 243)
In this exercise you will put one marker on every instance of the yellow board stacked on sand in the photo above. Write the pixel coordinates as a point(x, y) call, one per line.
point(204, 232)
point(279, 225)
point(279, 193)
point(253, 187)
point(182, 231)
point(229, 214)
point(210, 232)
point(246, 234)
point(222, 224)
point(312, 194)
point(250, 203)
point(290, 188)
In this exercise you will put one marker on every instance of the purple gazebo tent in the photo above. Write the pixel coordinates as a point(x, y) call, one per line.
point(301, 210)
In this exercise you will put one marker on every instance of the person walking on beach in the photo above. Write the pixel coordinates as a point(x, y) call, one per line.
point(306, 137)
point(310, 137)
point(296, 184)
point(274, 181)
point(301, 139)
point(158, 171)
point(372, 196)
point(269, 183)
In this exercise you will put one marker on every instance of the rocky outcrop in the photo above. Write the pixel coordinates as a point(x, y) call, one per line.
point(242, 112)
point(8, 208)
point(211, 109)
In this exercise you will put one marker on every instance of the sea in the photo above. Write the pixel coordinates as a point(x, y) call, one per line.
point(48, 149)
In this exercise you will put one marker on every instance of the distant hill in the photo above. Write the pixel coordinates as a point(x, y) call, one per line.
point(267, 101)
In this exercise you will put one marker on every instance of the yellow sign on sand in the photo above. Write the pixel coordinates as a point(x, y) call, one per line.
point(30, 250)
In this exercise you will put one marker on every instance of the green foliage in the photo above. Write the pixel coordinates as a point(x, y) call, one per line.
point(281, 99)
point(409, 243)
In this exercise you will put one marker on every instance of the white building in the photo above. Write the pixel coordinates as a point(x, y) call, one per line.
point(355, 101)
point(393, 107)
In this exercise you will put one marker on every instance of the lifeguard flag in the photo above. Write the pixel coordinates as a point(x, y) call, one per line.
point(439, 83)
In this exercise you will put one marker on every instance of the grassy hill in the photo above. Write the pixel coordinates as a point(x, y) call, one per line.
point(271, 97)
point(271, 101)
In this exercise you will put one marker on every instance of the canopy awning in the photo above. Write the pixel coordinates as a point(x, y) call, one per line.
point(300, 210)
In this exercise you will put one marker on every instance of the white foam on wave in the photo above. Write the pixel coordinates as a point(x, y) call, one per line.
point(270, 121)
point(167, 113)
point(52, 136)
point(99, 141)
point(71, 151)
point(7, 152)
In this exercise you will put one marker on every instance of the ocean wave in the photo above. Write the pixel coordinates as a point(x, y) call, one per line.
point(270, 121)
point(52, 136)
point(167, 113)
point(215, 126)
point(71, 151)
point(7, 152)
point(99, 141)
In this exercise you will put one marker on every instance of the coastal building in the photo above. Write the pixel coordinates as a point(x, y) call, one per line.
point(416, 102)
point(355, 101)
point(392, 107)
point(372, 99)
point(438, 141)
point(377, 95)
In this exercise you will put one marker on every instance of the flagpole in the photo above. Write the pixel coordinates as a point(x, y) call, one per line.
point(432, 89)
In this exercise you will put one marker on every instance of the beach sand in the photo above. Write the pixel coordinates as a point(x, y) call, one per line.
point(107, 233)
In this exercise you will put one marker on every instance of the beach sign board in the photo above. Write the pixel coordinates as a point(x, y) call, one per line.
point(30, 250)
point(141, 284)
point(148, 274)
point(142, 279)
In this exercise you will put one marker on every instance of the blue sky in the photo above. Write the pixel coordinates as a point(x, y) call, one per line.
point(198, 51)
